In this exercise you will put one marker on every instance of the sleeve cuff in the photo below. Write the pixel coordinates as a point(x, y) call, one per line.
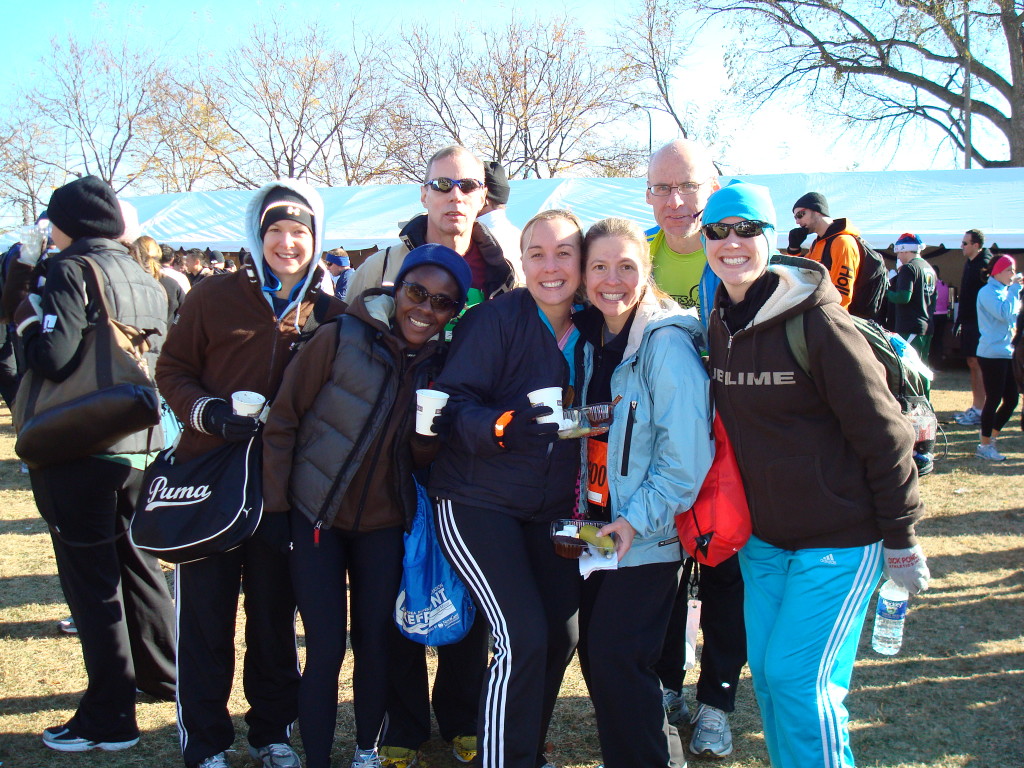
point(195, 418)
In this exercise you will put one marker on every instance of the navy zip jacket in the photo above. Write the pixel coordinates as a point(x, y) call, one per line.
point(501, 351)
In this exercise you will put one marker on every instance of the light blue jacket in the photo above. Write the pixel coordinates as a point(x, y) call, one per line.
point(998, 306)
point(659, 445)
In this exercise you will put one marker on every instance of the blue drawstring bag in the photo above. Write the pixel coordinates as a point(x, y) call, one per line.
point(433, 607)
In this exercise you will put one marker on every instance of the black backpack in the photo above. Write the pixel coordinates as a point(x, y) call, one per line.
point(870, 282)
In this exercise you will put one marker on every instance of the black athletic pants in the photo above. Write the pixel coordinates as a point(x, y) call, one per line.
point(207, 598)
point(724, 651)
point(1001, 394)
point(530, 596)
point(372, 564)
point(461, 668)
point(622, 621)
point(118, 595)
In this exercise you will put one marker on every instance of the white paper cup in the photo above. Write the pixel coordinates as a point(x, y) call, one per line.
point(552, 398)
point(245, 403)
point(429, 403)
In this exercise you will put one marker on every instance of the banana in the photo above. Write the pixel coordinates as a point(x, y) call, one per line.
point(606, 544)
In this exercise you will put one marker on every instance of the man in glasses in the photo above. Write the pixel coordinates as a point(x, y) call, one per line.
point(978, 258)
point(836, 236)
point(453, 193)
point(680, 178)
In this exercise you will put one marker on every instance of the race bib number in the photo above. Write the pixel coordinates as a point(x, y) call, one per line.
point(597, 472)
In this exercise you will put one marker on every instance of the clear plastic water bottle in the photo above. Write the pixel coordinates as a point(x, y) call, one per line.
point(889, 618)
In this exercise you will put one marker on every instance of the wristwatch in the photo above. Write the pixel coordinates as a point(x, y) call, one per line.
point(500, 424)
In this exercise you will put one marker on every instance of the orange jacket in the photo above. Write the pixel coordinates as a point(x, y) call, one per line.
point(845, 255)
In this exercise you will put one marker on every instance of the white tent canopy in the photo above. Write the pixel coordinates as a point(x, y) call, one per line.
point(936, 205)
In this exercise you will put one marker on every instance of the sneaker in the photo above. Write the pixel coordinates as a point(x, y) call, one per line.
point(989, 452)
point(398, 757)
point(276, 756)
point(464, 748)
point(711, 732)
point(220, 760)
point(969, 418)
point(925, 464)
point(67, 626)
point(675, 706)
point(62, 739)
point(366, 758)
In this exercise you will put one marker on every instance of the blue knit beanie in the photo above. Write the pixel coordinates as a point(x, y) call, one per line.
point(908, 242)
point(743, 200)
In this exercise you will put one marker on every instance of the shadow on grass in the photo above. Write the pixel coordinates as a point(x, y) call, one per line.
point(27, 526)
point(24, 630)
point(39, 589)
point(157, 747)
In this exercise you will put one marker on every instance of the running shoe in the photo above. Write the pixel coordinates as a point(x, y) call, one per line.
point(62, 739)
point(711, 732)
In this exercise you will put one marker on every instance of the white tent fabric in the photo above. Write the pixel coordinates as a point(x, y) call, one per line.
point(936, 205)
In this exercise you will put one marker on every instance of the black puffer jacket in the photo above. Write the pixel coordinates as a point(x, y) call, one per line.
point(502, 350)
point(53, 347)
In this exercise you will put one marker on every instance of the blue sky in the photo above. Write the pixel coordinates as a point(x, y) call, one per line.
point(778, 139)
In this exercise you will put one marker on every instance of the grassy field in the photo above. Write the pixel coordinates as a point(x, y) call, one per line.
point(953, 698)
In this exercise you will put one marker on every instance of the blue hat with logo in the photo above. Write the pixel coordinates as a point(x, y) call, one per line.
point(443, 257)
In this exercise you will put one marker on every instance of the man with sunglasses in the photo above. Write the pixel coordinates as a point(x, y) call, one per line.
point(453, 193)
point(966, 326)
point(680, 178)
point(836, 236)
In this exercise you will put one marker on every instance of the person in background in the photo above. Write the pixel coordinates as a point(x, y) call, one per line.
point(169, 267)
point(501, 477)
point(216, 262)
point(196, 267)
point(826, 461)
point(912, 294)
point(494, 214)
point(966, 323)
point(998, 306)
point(148, 254)
point(237, 332)
point(940, 319)
point(643, 348)
point(680, 178)
point(339, 267)
point(339, 453)
point(118, 595)
point(836, 236)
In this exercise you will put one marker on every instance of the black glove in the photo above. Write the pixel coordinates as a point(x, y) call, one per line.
point(523, 433)
point(442, 423)
point(275, 530)
point(218, 419)
point(796, 240)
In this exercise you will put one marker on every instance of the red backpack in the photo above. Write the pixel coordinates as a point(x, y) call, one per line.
point(718, 524)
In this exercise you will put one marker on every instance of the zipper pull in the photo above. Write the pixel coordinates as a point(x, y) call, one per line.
point(316, 533)
point(729, 346)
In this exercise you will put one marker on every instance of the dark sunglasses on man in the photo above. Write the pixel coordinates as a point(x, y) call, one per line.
point(445, 185)
point(438, 301)
point(720, 230)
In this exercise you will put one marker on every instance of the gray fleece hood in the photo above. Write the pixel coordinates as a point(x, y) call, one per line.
point(252, 221)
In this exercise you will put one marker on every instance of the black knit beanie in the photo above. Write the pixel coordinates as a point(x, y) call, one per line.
point(813, 201)
point(282, 203)
point(498, 189)
point(86, 207)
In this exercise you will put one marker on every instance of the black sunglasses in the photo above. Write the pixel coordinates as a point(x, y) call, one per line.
point(720, 230)
point(445, 185)
point(438, 301)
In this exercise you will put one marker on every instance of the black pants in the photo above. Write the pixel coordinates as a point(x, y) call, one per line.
point(118, 595)
point(724, 651)
point(207, 597)
point(623, 617)
point(1001, 394)
point(530, 597)
point(461, 668)
point(9, 375)
point(372, 564)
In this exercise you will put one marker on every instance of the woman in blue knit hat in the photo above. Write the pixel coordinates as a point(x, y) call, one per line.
point(826, 459)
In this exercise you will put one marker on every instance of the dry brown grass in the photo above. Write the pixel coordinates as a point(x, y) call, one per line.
point(951, 699)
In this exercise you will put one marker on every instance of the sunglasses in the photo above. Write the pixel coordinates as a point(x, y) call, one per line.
point(445, 185)
point(800, 215)
point(438, 301)
point(720, 230)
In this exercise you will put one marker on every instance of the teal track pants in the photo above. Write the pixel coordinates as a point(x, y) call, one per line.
point(804, 611)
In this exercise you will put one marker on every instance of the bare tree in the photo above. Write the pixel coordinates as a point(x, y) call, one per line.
point(895, 64)
point(94, 97)
point(25, 179)
point(534, 96)
point(294, 105)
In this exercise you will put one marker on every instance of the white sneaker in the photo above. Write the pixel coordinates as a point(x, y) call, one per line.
point(675, 706)
point(989, 452)
point(969, 418)
point(220, 760)
point(711, 732)
point(279, 755)
point(366, 758)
